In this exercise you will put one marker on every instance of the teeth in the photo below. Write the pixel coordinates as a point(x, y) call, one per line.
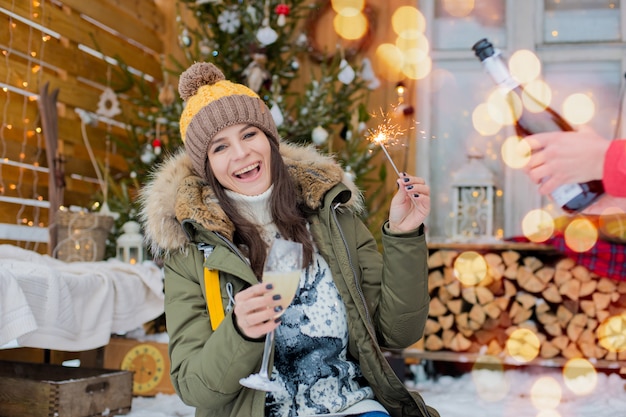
point(246, 169)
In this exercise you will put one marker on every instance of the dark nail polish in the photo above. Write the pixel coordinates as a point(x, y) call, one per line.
point(269, 286)
point(406, 179)
point(404, 174)
point(276, 297)
point(278, 309)
point(278, 320)
point(416, 195)
point(410, 187)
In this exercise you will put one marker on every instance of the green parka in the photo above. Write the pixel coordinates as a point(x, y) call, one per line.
point(386, 296)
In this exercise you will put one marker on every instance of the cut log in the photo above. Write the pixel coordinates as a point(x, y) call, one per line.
point(532, 263)
point(545, 274)
point(510, 257)
point(563, 315)
point(572, 351)
point(606, 285)
point(431, 326)
point(483, 295)
point(581, 273)
point(551, 293)
point(435, 280)
point(433, 343)
point(562, 276)
point(527, 301)
point(460, 343)
point(528, 281)
point(436, 307)
point(565, 264)
point(492, 309)
point(576, 326)
point(588, 287)
point(469, 295)
point(455, 306)
point(588, 307)
point(548, 350)
point(446, 321)
point(601, 300)
point(570, 289)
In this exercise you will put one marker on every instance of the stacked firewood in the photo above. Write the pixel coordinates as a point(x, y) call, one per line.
point(573, 312)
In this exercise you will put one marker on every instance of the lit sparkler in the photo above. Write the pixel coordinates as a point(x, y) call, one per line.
point(387, 132)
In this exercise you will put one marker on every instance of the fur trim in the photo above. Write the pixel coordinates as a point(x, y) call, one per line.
point(174, 193)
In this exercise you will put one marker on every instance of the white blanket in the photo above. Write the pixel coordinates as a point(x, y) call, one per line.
point(50, 304)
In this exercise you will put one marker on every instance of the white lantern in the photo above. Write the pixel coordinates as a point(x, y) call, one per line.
point(130, 243)
point(473, 189)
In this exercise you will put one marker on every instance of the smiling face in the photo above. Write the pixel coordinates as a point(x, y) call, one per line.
point(239, 157)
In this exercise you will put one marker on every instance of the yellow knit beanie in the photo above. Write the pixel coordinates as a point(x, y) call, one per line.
point(213, 103)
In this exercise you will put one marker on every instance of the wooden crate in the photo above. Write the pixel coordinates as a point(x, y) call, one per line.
point(149, 362)
point(44, 390)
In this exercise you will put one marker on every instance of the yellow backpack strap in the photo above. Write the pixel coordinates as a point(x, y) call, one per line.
point(213, 296)
point(213, 291)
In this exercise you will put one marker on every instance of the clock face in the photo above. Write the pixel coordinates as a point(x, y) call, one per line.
point(147, 365)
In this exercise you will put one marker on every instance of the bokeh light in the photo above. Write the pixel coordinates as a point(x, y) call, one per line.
point(348, 7)
point(489, 378)
point(350, 27)
point(483, 122)
point(548, 413)
point(612, 333)
point(578, 108)
point(470, 268)
point(546, 393)
point(537, 96)
point(458, 8)
point(515, 152)
point(612, 223)
point(538, 225)
point(408, 22)
point(524, 66)
point(390, 59)
point(580, 235)
point(504, 109)
point(417, 70)
point(580, 376)
point(523, 345)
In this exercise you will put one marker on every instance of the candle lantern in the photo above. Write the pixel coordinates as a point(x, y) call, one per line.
point(130, 244)
point(473, 189)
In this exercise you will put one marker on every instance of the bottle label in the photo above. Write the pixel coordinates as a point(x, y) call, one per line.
point(495, 66)
point(565, 193)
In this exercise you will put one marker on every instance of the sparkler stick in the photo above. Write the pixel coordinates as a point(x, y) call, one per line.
point(384, 148)
point(385, 132)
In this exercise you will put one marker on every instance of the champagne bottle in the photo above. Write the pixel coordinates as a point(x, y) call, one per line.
point(571, 197)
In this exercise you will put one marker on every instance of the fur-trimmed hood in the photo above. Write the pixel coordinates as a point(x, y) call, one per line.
point(175, 194)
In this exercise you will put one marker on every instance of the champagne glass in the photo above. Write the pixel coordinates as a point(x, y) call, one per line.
point(283, 267)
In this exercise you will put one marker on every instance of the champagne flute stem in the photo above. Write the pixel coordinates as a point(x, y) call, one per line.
point(267, 349)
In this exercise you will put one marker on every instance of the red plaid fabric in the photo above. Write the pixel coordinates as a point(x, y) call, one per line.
point(606, 259)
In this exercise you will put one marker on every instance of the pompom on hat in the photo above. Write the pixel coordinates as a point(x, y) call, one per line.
point(213, 103)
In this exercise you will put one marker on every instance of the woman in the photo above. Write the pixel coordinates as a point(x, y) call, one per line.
point(211, 212)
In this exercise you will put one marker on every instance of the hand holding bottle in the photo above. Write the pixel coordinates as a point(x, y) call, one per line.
point(560, 158)
point(571, 196)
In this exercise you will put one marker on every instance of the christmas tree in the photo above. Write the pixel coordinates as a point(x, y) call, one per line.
point(264, 45)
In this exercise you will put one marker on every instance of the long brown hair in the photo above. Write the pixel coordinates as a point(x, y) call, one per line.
point(286, 213)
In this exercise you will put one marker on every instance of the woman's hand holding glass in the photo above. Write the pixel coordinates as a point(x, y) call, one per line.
point(256, 310)
point(281, 276)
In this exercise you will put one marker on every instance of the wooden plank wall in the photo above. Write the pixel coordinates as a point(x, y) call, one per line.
point(70, 45)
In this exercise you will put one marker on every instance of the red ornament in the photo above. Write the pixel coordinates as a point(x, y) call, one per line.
point(156, 143)
point(282, 9)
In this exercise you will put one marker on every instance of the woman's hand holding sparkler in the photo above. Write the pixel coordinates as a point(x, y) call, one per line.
point(410, 205)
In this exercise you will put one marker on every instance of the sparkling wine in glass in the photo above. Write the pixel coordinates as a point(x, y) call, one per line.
point(283, 268)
